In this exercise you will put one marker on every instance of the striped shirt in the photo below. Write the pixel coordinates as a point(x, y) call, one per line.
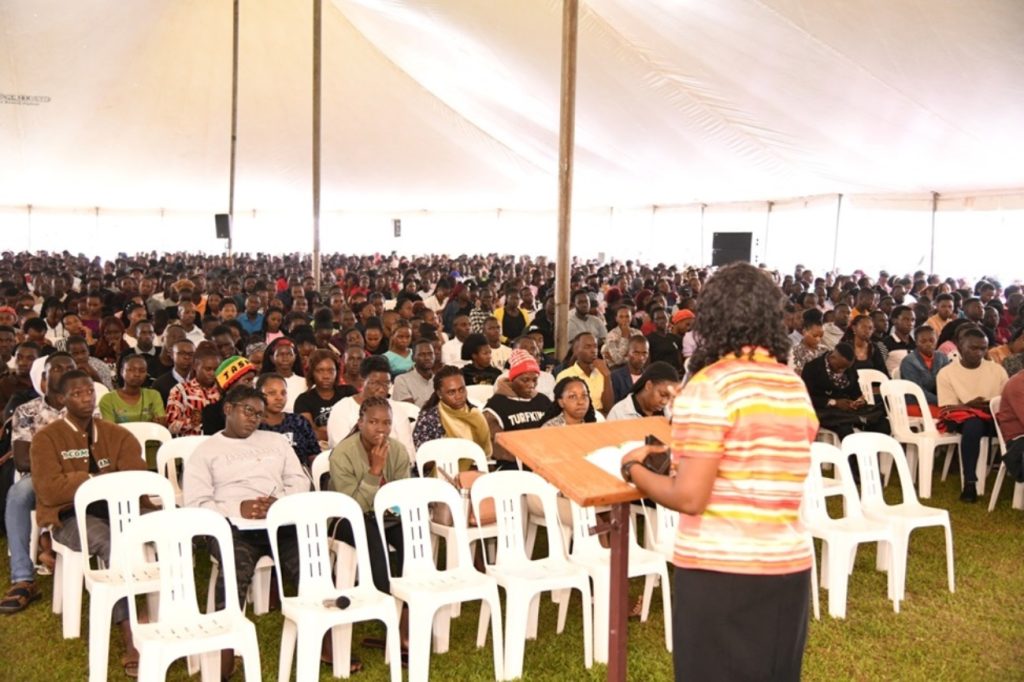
point(754, 416)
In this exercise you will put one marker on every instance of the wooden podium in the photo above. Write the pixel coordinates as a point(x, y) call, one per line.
point(556, 455)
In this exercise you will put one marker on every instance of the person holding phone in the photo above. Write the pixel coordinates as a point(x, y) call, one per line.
point(742, 429)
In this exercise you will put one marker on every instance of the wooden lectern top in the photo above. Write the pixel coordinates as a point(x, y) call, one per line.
point(556, 454)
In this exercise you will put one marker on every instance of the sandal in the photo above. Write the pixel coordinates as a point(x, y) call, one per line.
point(19, 596)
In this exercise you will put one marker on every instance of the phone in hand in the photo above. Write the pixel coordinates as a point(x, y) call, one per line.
point(652, 440)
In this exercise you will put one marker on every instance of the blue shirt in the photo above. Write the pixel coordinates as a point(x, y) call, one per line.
point(251, 326)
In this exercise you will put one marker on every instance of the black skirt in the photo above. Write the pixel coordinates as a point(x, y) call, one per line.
point(736, 627)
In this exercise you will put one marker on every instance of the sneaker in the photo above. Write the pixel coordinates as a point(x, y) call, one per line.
point(969, 494)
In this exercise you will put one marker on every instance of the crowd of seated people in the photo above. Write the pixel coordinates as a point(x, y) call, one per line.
point(377, 360)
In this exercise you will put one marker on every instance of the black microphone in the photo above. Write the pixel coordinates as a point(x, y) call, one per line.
point(341, 602)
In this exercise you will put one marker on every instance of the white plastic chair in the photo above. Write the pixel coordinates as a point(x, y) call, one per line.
point(167, 456)
point(924, 442)
point(841, 536)
point(67, 587)
point(446, 454)
point(660, 531)
point(905, 516)
point(867, 378)
point(181, 630)
point(588, 553)
point(306, 619)
point(345, 565)
point(100, 390)
point(828, 436)
point(145, 432)
point(479, 394)
point(1018, 488)
point(428, 591)
point(121, 491)
point(524, 578)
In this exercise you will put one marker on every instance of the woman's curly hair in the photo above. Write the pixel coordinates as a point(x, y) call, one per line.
point(739, 307)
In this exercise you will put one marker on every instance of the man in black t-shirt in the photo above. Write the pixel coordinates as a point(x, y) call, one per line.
point(665, 346)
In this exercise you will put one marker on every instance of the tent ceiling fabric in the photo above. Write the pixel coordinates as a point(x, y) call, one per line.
point(453, 105)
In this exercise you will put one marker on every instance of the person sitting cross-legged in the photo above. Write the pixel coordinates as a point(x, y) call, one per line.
point(240, 473)
point(65, 455)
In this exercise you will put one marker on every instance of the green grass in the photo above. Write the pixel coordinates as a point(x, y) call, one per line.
point(975, 634)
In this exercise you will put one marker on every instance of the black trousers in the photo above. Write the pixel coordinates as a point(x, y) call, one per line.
point(739, 628)
point(377, 548)
point(249, 546)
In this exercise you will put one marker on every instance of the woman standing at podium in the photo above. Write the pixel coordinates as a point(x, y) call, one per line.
point(741, 438)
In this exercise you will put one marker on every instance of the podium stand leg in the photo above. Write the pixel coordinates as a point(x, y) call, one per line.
point(618, 618)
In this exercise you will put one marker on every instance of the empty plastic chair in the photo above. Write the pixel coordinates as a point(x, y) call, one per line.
point(588, 553)
point(429, 592)
point(167, 460)
point(306, 618)
point(904, 517)
point(523, 578)
point(479, 395)
point(841, 536)
point(923, 442)
point(181, 630)
point(146, 432)
point(121, 491)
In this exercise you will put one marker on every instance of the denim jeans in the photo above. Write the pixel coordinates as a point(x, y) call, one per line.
point(21, 500)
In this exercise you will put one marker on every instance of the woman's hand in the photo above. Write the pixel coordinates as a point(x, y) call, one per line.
point(640, 454)
point(379, 455)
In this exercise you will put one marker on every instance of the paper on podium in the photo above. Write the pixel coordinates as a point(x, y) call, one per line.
point(609, 459)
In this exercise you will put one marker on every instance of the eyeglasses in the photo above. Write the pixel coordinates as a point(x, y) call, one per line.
point(251, 412)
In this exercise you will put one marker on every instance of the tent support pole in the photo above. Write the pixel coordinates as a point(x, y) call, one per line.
point(935, 208)
point(767, 225)
point(700, 259)
point(317, 25)
point(835, 241)
point(566, 135)
point(234, 127)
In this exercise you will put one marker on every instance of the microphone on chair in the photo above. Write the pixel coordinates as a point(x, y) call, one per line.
point(341, 602)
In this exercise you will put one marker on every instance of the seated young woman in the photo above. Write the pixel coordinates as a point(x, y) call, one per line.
point(324, 392)
point(516, 404)
point(297, 430)
point(448, 413)
point(477, 351)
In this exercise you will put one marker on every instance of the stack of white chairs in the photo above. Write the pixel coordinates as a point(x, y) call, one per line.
point(588, 553)
point(122, 492)
point(921, 445)
point(524, 578)
point(181, 630)
point(430, 592)
point(904, 517)
point(660, 526)
point(841, 536)
point(1018, 488)
point(306, 617)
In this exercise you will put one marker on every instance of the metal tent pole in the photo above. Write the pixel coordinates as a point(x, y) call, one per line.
point(566, 135)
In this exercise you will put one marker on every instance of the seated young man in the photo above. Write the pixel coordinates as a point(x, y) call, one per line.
point(1011, 424)
point(964, 388)
point(186, 401)
point(922, 365)
point(240, 472)
point(624, 377)
point(65, 455)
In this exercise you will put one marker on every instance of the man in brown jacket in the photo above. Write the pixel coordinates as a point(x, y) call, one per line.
point(65, 455)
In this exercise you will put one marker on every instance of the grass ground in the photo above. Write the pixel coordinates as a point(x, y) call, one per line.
point(975, 634)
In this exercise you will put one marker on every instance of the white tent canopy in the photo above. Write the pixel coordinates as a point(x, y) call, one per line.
point(115, 114)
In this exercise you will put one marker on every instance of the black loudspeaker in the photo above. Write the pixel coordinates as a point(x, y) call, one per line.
point(223, 225)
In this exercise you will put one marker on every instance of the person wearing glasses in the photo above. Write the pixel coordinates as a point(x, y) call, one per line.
point(240, 472)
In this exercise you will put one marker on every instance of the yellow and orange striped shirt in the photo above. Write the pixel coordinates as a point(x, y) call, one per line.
point(753, 415)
